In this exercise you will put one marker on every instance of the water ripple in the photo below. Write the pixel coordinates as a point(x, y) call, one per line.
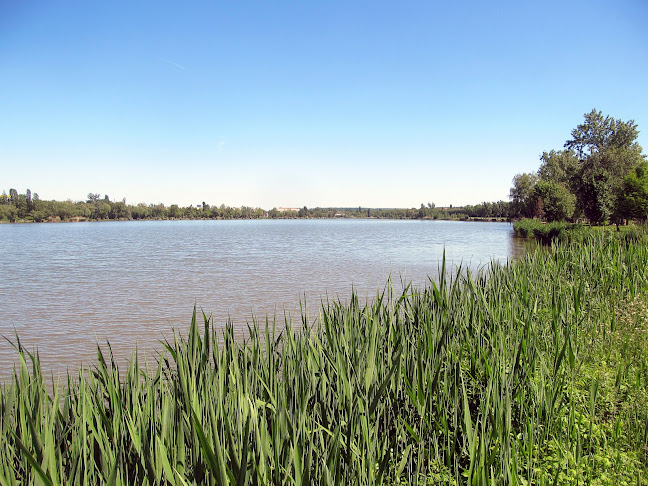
point(65, 287)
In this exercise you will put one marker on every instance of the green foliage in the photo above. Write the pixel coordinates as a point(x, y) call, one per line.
point(550, 232)
point(521, 195)
point(632, 202)
point(120, 211)
point(100, 209)
point(559, 167)
point(545, 233)
point(598, 133)
point(533, 372)
point(596, 194)
point(524, 228)
point(488, 210)
point(607, 151)
point(585, 179)
point(8, 213)
point(558, 204)
point(174, 211)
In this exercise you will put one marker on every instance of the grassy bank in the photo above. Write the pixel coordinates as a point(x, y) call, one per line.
point(561, 231)
point(546, 233)
point(534, 372)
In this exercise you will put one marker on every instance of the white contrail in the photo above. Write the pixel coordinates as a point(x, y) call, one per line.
point(173, 63)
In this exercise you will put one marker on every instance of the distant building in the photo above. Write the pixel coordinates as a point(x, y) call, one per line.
point(283, 210)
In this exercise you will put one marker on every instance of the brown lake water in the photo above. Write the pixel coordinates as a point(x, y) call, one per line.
point(66, 287)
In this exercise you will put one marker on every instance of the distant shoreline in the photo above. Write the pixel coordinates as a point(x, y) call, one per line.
point(30, 207)
point(86, 220)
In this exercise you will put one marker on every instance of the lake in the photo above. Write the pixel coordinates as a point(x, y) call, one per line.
point(67, 286)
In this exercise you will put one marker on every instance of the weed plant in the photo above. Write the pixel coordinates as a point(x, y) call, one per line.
point(531, 372)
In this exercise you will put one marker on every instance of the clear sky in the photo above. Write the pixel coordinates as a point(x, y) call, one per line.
point(312, 103)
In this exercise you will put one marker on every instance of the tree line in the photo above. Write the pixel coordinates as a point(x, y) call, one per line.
point(600, 175)
point(25, 207)
point(16, 207)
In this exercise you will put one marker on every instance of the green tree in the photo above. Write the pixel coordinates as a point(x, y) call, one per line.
point(20, 203)
point(598, 134)
point(607, 151)
point(8, 213)
point(158, 211)
point(119, 210)
point(557, 202)
point(521, 195)
point(559, 166)
point(64, 210)
point(102, 210)
point(632, 200)
point(596, 194)
point(141, 211)
point(174, 211)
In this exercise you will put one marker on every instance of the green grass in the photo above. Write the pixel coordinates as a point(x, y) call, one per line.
point(560, 231)
point(534, 372)
point(546, 233)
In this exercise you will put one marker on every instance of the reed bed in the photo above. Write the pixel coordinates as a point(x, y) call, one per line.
point(546, 233)
point(532, 372)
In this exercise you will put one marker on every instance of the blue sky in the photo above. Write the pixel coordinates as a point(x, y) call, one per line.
point(329, 103)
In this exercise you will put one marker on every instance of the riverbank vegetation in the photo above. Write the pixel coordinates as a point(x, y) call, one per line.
point(601, 176)
point(15, 207)
point(547, 233)
point(531, 372)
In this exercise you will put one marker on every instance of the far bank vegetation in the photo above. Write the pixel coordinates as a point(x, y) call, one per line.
point(28, 207)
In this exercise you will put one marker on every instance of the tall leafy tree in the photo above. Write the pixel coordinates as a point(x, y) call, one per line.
point(521, 195)
point(174, 211)
point(598, 134)
point(607, 151)
point(559, 166)
point(557, 203)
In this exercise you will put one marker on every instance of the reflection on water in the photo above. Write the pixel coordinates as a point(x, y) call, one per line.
point(65, 287)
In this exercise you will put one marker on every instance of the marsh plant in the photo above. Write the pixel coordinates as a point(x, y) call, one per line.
point(531, 372)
